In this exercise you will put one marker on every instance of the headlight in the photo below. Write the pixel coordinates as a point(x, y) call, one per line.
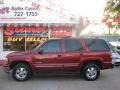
point(6, 61)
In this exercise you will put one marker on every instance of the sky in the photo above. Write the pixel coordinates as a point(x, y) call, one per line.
point(88, 8)
point(93, 9)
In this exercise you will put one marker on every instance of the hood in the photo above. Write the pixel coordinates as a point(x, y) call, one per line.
point(19, 53)
point(4, 54)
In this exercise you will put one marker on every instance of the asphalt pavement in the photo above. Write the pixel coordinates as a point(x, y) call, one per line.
point(108, 80)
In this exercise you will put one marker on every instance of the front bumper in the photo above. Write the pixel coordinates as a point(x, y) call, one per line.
point(6, 68)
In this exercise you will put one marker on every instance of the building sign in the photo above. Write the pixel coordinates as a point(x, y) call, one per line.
point(19, 13)
point(31, 11)
point(11, 30)
point(16, 10)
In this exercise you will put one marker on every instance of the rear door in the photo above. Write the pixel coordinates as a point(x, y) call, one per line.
point(72, 54)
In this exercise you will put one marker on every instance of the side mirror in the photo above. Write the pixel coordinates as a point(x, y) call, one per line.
point(40, 51)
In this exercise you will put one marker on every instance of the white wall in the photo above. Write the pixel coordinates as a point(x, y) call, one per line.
point(1, 39)
point(74, 32)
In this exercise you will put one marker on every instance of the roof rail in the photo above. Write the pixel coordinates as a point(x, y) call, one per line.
point(67, 37)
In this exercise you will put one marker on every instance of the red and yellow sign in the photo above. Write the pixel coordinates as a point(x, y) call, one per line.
point(26, 30)
point(28, 39)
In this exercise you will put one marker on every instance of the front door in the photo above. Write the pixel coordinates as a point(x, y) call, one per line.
point(50, 57)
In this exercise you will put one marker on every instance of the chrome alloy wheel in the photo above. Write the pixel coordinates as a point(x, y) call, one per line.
point(91, 73)
point(21, 73)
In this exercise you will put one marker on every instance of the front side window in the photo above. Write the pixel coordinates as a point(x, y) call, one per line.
point(52, 46)
point(72, 45)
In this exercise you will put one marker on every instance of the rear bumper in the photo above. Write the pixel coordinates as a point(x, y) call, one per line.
point(107, 65)
point(112, 66)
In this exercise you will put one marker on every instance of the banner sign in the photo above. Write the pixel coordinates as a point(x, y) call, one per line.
point(11, 30)
point(28, 39)
point(61, 31)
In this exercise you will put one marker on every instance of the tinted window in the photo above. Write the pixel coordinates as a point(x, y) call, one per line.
point(72, 45)
point(51, 46)
point(97, 45)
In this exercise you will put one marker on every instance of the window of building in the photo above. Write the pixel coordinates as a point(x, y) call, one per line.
point(23, 38)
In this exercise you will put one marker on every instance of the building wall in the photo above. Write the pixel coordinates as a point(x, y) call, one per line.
point(74, 32)
point(1, 39)
point(107, 38)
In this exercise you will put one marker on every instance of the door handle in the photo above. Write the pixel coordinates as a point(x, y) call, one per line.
point(81, 54)
point(40, 62)
point(59, 55)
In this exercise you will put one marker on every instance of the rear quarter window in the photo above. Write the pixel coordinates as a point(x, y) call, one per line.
point(97, 45)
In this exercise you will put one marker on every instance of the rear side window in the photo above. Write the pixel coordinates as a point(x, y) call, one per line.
point(72, 45)
point(97, 45)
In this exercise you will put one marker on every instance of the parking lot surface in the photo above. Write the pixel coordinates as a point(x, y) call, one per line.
point(109, 80)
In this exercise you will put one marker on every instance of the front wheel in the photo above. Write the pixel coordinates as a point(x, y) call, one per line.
point(91, 72)
point(21, 72)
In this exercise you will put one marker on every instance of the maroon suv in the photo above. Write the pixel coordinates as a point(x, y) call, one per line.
point(85, 55)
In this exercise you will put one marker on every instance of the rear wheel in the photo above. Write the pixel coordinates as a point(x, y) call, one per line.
point(91, 72)
point(21, 72)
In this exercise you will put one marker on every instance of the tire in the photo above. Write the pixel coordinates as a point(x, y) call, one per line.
point(91, 72)
point(21, 72)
